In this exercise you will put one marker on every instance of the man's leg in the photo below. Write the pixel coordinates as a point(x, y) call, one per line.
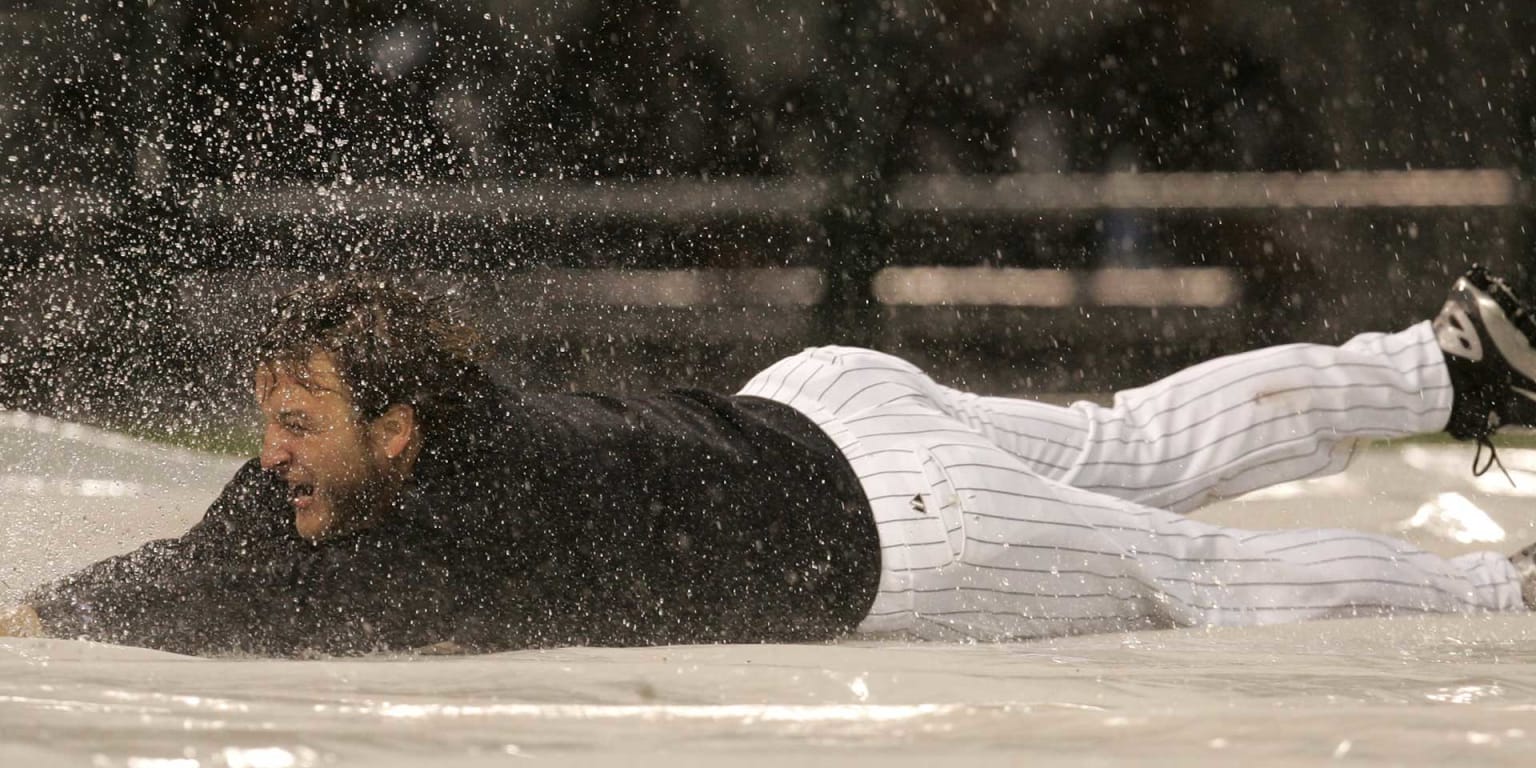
point(1216, 430)
point(975, 541)
point(1239, 423)
point(993, 551)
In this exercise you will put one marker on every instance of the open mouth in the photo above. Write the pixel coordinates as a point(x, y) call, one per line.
point(301, 494)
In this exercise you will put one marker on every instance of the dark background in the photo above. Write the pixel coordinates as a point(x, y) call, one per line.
point(166, 169)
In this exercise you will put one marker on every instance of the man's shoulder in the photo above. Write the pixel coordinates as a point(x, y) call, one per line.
point(250, 480)
point(251, 505)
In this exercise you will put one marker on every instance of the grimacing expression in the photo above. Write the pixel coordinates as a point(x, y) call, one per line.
point(336, 465)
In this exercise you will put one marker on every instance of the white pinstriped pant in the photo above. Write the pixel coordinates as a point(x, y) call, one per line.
point(1005, 518)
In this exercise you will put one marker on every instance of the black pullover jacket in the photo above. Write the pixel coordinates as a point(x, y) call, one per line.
point(528, 521)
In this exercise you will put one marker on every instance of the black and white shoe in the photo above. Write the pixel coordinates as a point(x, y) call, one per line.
point(1525, 565)
point(1486, 334)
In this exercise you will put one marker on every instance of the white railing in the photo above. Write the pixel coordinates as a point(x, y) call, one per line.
point(680, 199)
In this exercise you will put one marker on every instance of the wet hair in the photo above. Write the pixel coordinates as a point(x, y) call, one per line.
point(390, 345)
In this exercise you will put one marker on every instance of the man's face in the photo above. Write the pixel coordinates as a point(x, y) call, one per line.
point(313, 439)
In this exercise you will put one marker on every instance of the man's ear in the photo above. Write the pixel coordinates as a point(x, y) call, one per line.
point(394, 430)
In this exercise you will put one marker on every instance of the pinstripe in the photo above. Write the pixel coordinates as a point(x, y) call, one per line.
point(1031, 459)
point(1504, 584)
point(872, 454)
point(1015, 593)
point(758, 386)
point(1106, 504)
point(913, 418)
point(954, 430)
point(868, 475)
point(1228, 602)
point(1255, 470)
point(1259, 374)
point(1217, 415)
point(1033, 438)
point(1223, 586)
point(1373, 540)
point(997, 406)
point(1053, 426)
point(1101, 527)
point(899, 398)
point(1245, 360)
point(1391, 608)
point(1131, 553)
point(1054, 572)
point(989, 412)
point(980, 465)
point(1053, 608)
point(1385, 431)
point(1038, 552)
point(800, 389)
point(1021, 614)
point(1395, 557)
point(845, 371)
point(944, 542)
point(1358, 387)
point(1036, 438)
point(839, 408)
point(785, 379)
point(886, 496)
point(948, 627)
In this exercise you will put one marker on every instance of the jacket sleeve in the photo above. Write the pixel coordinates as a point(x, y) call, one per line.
point(241, 582)
point(111, 599)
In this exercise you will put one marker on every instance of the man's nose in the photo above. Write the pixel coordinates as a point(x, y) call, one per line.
point(274, 449)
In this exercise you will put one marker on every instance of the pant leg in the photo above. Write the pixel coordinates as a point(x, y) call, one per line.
point(1227, 426)
point(1239, 423)
point(1024, 556)
point(976, 543)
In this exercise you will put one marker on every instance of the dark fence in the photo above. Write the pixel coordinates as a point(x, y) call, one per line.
point(636, 194)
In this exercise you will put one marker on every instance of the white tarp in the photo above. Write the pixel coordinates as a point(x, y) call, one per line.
point(1413, 690)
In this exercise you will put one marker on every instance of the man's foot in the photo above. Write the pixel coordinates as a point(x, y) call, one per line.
point(1525, 565)
point(1486, 334)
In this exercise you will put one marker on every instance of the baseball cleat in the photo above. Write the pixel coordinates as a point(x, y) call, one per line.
point(1525, 565)
point(1486, 334)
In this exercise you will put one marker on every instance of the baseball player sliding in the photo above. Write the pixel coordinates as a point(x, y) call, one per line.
point(402, 499)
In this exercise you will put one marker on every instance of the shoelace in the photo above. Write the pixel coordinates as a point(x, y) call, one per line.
point(1485, 441)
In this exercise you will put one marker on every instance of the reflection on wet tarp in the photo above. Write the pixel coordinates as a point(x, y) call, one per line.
point(37, 485)
point(1420, 689)
point(1453, 516)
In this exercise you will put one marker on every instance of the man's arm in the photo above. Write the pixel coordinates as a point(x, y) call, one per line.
point(101, 600)
point(365, 594)
point(241, 581)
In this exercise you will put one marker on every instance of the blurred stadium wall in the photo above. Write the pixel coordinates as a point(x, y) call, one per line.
point(631, 194)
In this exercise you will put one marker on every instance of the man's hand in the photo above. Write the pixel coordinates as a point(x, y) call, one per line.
point(20, 621)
